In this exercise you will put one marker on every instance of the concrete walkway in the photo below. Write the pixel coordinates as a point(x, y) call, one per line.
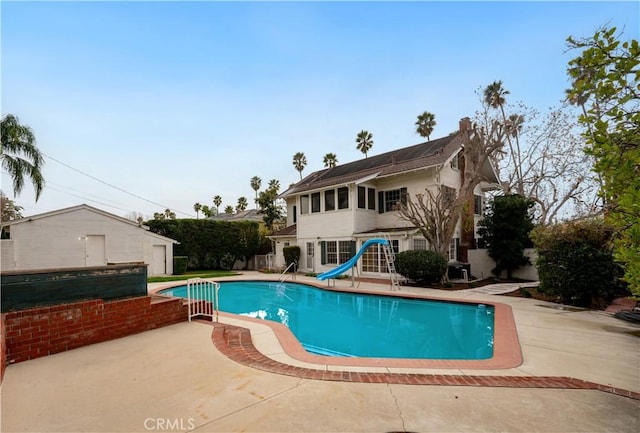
point(174, 379)
point(501, 288)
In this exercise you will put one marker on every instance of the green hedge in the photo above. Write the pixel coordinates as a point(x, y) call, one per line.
point(421, 266)
point(291, 255)
point(210, 244)
point(180, 265)
point(576, 263)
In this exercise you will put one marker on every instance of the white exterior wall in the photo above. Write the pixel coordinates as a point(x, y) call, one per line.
point(340, 225)
point(58, 241)
point(7, 263)
point(482, 264)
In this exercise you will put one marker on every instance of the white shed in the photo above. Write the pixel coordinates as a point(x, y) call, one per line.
point(82, 236)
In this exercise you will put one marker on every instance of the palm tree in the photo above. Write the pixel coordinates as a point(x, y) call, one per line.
point(206, 211)
point(364, 141)
point(197, 207)
point(330, 160)
point(169, 214)
point(19, 154)
point(256, 182)
point(274, 185)
point(217, 201)
point(242, 204)
point(425, 124)
point(494, 97)
point(228, 209)
point(299, 162)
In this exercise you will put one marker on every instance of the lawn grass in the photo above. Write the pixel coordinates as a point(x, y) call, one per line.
point(191, 274)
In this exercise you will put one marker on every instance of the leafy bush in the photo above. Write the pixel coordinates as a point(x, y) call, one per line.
point(576, 263)
point(180, 265)
point(421, 266)
point(291, 254)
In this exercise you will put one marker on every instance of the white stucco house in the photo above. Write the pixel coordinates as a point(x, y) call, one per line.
point(332, 212)
point(82, 236)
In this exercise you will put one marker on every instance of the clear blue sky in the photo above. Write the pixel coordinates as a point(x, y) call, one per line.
point(177, 102)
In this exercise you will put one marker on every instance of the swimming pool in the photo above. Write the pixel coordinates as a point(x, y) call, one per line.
point(362, 325)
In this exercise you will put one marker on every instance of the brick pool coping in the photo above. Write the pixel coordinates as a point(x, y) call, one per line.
point(236, 343)
point(506, 345)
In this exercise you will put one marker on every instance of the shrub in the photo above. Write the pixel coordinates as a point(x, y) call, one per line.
point(576, 263)
point(505, 232)
point(291, 254)
point(421, 266)
point(180, 265)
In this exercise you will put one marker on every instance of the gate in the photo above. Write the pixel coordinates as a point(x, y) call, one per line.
point(202, 298)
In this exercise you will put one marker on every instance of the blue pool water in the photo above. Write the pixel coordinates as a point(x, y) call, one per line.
point(350, 324)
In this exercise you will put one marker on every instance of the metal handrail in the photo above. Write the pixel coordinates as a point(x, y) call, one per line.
point(284, 276)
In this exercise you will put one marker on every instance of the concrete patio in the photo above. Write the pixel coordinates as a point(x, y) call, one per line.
point(174, 379)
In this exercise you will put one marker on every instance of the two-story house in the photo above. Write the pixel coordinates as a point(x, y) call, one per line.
point(332, 212)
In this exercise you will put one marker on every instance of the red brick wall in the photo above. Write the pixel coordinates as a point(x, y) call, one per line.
point(38, 332)
point(3, 348)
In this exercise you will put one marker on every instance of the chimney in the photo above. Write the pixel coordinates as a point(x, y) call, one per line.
point(465, 124)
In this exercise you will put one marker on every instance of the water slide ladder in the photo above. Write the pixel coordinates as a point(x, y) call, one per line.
point(390, 257)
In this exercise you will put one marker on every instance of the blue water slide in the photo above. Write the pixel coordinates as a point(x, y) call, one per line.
point(352, 261)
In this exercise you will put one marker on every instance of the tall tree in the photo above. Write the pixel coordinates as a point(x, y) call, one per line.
point(605, 84)
point(505, 230)
point(425, 124)
point(228, 209)
point(197, 207)
point(364, 141)
point(169, 214)
point(274, 186)
point(330, 160)
point(10, 210)
point(554, 170)
point(437, 211)
point(256, 182)
point(19, 154)
point(299, 162)
point(206, 211)
point(495, 97)
point(270, 206)
point(217, 201)
point(242, 204)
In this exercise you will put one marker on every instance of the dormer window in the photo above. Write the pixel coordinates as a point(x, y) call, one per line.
point(455, 162)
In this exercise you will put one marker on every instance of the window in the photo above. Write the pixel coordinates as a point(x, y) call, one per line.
point(336, 252)
point(387, 199)
point(304, 204)
point(346, 250)
point(419, 244)
point(362, 197)
point(477, 205)
point(330, 200)
point(455, 162)
point(343, 198)
point(453, 249)
point(315, 202)
point(371, 196)
point(373, 259)
point(295, 214)
point(331, 253)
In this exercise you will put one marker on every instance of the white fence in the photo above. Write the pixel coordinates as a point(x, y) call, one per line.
point(202, 298)
point(481, 265)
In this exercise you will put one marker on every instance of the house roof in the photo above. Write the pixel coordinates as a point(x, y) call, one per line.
point(245, 215)
point(90, 209)
point(422, 155)
point(289, 231)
